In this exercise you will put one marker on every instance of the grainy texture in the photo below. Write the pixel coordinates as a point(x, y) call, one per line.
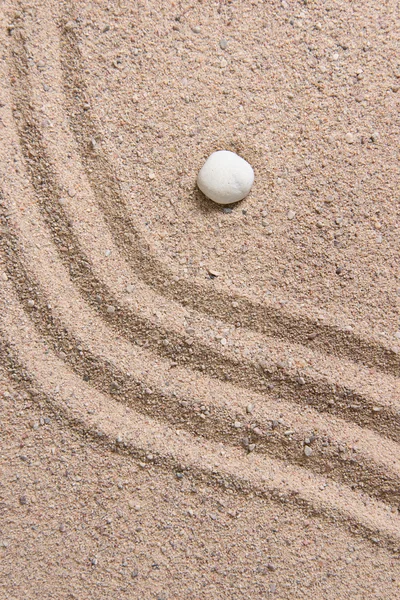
point(197, 401)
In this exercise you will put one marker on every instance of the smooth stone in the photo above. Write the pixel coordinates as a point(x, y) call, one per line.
point(225, 177)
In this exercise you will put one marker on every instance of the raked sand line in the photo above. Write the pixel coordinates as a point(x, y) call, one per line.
point(57, 252)
point(359, 386)
point(93, 351)
point(330, 338)
point(96, 412)
point(35, 218)
point(43, 259)
point(268, 351)
point(295, 326)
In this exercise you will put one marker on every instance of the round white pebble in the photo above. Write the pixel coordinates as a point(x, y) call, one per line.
point(225, 177)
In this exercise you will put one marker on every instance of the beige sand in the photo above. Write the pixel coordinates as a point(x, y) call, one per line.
point(198, 402)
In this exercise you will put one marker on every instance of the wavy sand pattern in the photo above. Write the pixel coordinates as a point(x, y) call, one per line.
point(161, 363)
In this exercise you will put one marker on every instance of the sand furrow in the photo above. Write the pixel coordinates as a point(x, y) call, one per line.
point(107, 193)
point(95, 412)
point(76, 331)
point(294, 327)
point(195, 376)
point(326, 397)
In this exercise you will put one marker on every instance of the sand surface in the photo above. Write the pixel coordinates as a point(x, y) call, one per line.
point(196, 401)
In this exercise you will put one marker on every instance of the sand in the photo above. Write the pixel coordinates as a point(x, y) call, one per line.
point(199, 401)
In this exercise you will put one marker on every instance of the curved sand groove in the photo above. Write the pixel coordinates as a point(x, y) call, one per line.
point(276, 322)
point(94, 412)
point(82, 271)
point(40, 259)
point(78, 327)
point(353, 394)
point(104, 183)
point(102, 348)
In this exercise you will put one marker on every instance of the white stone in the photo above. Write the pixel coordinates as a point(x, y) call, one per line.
point(225, 177)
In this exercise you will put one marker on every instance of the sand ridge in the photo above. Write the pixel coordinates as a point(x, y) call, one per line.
point(186, 375)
